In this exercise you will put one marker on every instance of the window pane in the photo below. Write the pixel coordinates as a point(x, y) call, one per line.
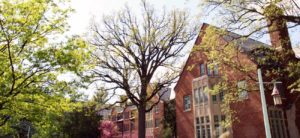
point(198, 132)
point(196, 96)
point(202, 120)
point(223, 117)
point(200, 95)
point(216, 70)
point(208, 71)
point(207, 119)
point(132, 124)
point(203, 131)
point(202, 69)
point(221, 95)
point(187, 102)
point(205, 95)
point(217, 127)
point(156, 122)
point(214, 98)
point(242, 88)
point(216, 118)
point(156, 108)
point(197, 120)
point(208, 130)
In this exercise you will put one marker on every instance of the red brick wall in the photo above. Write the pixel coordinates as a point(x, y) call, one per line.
point(185, 119)
point(249, 112)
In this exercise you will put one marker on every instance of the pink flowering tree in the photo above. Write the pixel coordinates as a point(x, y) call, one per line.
point(107, 129)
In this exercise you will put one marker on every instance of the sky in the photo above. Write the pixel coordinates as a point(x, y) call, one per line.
point(85, 10)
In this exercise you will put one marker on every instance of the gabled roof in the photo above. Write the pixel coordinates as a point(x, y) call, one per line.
point(247, 45)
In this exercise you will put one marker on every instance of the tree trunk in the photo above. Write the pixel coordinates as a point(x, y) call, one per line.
point(142, 121)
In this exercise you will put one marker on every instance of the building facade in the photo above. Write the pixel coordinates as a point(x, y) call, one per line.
point(127, 121)
point(198, 113)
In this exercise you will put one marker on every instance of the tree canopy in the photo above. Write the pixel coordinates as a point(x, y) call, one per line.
point(33, 53)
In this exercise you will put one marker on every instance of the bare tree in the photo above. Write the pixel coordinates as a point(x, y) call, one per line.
point(134, 53)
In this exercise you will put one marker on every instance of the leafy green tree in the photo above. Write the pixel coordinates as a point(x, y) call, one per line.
point(33, 53)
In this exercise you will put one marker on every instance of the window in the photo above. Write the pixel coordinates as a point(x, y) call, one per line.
point(200, 95)
point(214, 98)
point(217, 132)
point(126, 127)
point(208, 131)
point(209, 71)
point(187, 103)
point(203, 129)
point(149, 124)
point(205, 95)
point(149, 114)
point(156, 122)
point(202, 120)
point(132, 126)
point(223, 119)
point(221, 95)
point(198, 132)
point(156, 108)
point(217, 124)
point(216, 70)
point(120, 126)
point(242, 89)
point(277, 123)
point(207, 119)
point(197, 120)
point(119, 116)
point(196, 96)
point(126, 115)
point(202, 69)
point(114, 118)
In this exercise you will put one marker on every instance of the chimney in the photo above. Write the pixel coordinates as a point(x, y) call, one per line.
point(277, 27)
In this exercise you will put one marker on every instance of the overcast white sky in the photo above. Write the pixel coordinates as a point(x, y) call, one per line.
point(86, 9)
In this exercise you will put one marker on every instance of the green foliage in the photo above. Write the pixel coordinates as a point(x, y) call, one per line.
point(167, 132)
point(82, 122)
point(169, 121)
point(33, 54)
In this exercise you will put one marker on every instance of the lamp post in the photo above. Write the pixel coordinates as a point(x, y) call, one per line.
point(264, 105)
point(276, 98)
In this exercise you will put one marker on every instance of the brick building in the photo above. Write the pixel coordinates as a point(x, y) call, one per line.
point(127, 121)
point(198, 114)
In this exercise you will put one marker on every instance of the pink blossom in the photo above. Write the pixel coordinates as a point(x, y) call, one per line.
point(108, 129)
